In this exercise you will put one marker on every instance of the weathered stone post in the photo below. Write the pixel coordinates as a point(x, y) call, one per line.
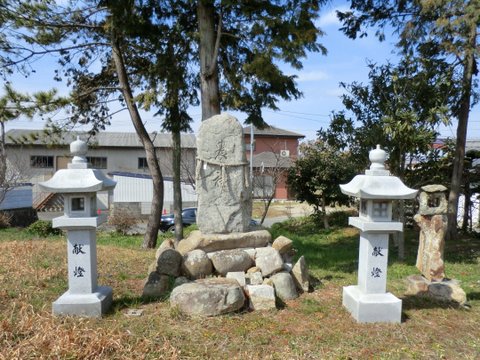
point(432, 221)
point(79, 185)
point(368, 301)
point(223, 181)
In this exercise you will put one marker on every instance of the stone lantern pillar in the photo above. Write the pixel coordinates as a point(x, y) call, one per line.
point(79, 185)
point(368, 301)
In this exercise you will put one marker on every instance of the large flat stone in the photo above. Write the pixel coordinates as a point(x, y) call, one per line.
point(169, 262)
point(196, 264)
point(300, 274)
point(225, 261)
point(284, 286)
point(261, 297)
point(215, 242)
point(208, 297)
point(448, 290)
point(268, 260)
point(156, 285)
point(282, 244)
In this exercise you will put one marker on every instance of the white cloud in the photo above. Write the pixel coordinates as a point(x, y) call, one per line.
point(330, 18)
point(335, 92)
point(316, 75)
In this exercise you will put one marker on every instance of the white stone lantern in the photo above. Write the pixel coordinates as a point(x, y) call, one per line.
point(79, 185)
point(368, 301)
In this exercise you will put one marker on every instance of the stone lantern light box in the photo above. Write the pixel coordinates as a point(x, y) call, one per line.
point(376, 190)
point(79, 185)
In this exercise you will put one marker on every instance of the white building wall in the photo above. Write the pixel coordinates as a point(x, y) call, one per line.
point(475, 210)
point(131, 189)
point(140, 190)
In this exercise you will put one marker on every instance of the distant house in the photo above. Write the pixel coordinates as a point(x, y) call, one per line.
point(39, 157)
point(274, 151)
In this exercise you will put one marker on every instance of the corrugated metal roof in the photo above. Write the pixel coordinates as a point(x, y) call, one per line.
point(103, 139)
point(272, 131)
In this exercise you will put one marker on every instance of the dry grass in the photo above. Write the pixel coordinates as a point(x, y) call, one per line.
point(315, 326)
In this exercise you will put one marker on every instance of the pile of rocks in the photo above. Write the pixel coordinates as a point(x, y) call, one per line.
point(216, 274)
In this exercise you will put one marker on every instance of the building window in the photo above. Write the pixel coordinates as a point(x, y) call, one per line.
point(263, 187)
point(142, 163)
point(97, 162)
point(38, 161)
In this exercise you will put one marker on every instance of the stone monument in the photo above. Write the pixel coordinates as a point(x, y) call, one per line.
point(224, 260)
point(79, 184)
point(368, 301)
point(432, 221)
point(223, 183)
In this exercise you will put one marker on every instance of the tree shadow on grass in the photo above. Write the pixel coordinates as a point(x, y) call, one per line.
point(127, 302)
point(418, 302)
point(473, 296)
point(327, 250)
point(464, 250)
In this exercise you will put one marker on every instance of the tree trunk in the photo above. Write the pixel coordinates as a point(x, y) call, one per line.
point(3, 163)
point(177, 187)
point(401, 235)
point(267, 204)
point(463, 114)
point(151, 234)
point(3, 156)
point(324, 211)
point(466, 208)
point(208, 44)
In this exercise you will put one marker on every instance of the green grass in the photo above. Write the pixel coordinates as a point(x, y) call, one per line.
point(332, 255)
point(314, 326)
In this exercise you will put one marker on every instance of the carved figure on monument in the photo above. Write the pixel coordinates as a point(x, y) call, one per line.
point(223, 185)
point(432, 220)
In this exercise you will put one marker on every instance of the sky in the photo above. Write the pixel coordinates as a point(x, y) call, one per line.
point(346, 61)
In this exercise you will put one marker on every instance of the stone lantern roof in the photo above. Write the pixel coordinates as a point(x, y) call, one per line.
point(79, 177)
point(377, 183)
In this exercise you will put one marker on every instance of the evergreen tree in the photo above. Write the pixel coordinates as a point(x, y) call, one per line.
point(449, 30)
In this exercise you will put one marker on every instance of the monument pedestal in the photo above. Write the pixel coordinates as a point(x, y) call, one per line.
point(369, 308)
point(89, 305)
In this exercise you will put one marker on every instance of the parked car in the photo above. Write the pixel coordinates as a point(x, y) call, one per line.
point(189, 217)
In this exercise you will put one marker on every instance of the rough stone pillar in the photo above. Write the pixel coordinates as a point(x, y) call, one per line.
point(223, 185)
point(432, 220)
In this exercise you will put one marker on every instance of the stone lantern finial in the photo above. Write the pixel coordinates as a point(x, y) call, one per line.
point(378, 157)
point(78, 149)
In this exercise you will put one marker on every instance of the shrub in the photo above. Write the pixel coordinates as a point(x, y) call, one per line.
point(314, 222)
point(122, 222)
point(5, 220)
point(340, 218)
point(42, 228)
